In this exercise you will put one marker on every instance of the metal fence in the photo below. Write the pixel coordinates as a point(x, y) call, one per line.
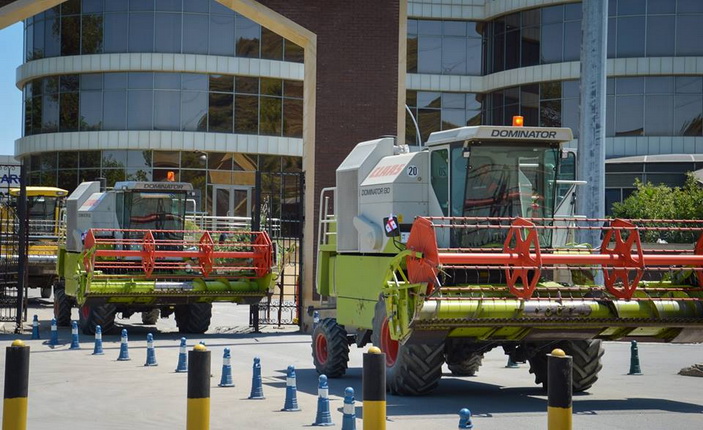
point(13, 251)
point(278, 210)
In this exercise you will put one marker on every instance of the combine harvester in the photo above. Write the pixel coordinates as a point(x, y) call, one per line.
point(128, 250)
point(470, 243)
point(44, 207)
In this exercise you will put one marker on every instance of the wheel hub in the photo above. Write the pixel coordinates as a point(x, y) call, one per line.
point(388, 345)
point(321, 348)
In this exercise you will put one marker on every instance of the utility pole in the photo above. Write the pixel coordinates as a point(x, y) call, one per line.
point(591, 144)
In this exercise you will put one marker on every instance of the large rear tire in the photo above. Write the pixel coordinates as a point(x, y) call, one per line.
point(330, 349)
point(62, 306)
point(587, 363)
point(91, 316)
point(150, 317)
point(411, 370)
point(193, 318)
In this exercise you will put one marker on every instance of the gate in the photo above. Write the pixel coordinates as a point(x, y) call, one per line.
point(278, 210)
point(13, 248)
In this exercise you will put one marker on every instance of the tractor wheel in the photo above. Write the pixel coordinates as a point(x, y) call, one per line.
point(468, 367)
point(586, 355)
point(90, 316)
point(62, 307)
point(330, 349)
point(193, 318)
point(45, 292)
point(411, 370)
point(150, 317)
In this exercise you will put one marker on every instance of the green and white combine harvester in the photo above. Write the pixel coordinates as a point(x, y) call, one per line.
point(128, 250)
point(440, 254)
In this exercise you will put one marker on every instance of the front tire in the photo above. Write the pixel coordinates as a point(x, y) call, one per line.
point(62, 306)
point(330, 349)
point(91, 316)
point(411, 370)
point(193, 318)
point(468, 367)
point(45, 292)
point(586, 354)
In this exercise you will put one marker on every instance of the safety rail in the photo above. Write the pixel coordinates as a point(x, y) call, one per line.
point(229, 223)
point(621, 256)
point(327, 216)
point(178, 253)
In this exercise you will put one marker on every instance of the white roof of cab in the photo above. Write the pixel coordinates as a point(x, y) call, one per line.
point(501, 133)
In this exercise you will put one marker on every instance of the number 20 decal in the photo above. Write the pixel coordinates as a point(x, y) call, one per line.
point(412, 171)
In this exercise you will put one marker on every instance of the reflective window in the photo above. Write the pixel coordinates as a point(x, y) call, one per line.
point(167, 110)
point(169, 26)
point(115, 110)
point(246, 119)
point(194, 107)
point(91, 110)
point(445, 47)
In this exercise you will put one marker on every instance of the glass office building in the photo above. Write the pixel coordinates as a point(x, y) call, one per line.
point(144, 90)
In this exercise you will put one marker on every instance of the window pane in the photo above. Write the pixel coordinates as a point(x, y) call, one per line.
point(195, 6)
point(68, 117)
point(512, 50)
point(167, 32)
point(92, 6)
point(630, 85)
point(688, 85)
point(453, 118)
point(113, 159)
point(89, 159)
point(271, 87)
point(293, 52)
point(687, 115)
point(659, 84)
point(530, 46)
point(116, 31)
point(115, 109)
point(68, 179)
point(52, 40)
point(660, 36)
point(659, 115)
point(220, 112)
point(222, 83)
point(631, 7)
point(412, 54)
point(115, 81)
point(248, 35)
point(167, 110)
point(690, 6)
point(630, 37)
point(166, 159)
point(572, 41)
point(246, 85)
point(292, 118)
point(429, 55)
point(660, 6)
point(629, 116)
point(140, 106)
point(170, 5)
point(552, 40)
point(194, 110)
point(92, 34)
point(195, 33)
point(246, 112)
point(141, 5)
point(473, 58)
point(91, 110)
point(429, 121)
point(167, 81)
point(50, 113)
point(141, 32)
point(270, 116)
point(689, 37)
point(116, 5)
point(271, 45)
point(222, 35)
point(550, 113)
point(140, 80)
point(430, 27)
point(191, 81)
point(139, 159)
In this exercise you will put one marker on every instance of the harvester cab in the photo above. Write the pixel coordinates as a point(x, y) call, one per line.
point(129, 249)
point(44, 208)
point(485, 255)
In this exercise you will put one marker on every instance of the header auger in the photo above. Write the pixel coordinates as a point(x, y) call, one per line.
point(439, 254)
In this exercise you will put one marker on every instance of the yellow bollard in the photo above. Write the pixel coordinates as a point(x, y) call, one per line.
point(14, 415)
point(559, 390)
point(373, 383)
point(198, 417)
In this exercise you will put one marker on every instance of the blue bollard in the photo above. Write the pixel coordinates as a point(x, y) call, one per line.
point(182, 358)
point(35, 328)
point(54, 339)
point(323, 417)
point(226, 380)
point(634, 359)
point(98, 348)
point(291, 403)
point(124, 348)
point(349, 411)
point(315, 319)
point(465, 419)
point(257, 389)
point(75, 344)
point(150, 351)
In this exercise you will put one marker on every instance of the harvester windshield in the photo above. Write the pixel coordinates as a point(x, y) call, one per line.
point(503, 181)
point(154, 210)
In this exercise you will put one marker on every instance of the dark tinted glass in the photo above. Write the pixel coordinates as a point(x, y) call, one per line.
point(116, 32)
point(167, 36)
point(71, 35)
point(630, 37)
point(689, 37)
point(659, 115)
point(248, 34)
point(194, 110)
point(167, 110)
point(246, 114)
point(552, 42)
point(91, 110)
point(629, 114)
point(140, 106)
point(220, 114)
point(195, 33)
point(429, 55)
point(141, 32)
point(115, 110)
point(222, 35)
point(92, 34)
point(270, 121)
point(660, 36)
point(271, 45)
point(292, 118)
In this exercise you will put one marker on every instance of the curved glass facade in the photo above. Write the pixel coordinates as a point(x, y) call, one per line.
point(66, 169)
point(437, 111)
point(636, 106)
point(164, 101)
point(81, 27)
point(636, 28)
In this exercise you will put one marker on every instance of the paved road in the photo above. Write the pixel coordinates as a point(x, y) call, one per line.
point(75, 390)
